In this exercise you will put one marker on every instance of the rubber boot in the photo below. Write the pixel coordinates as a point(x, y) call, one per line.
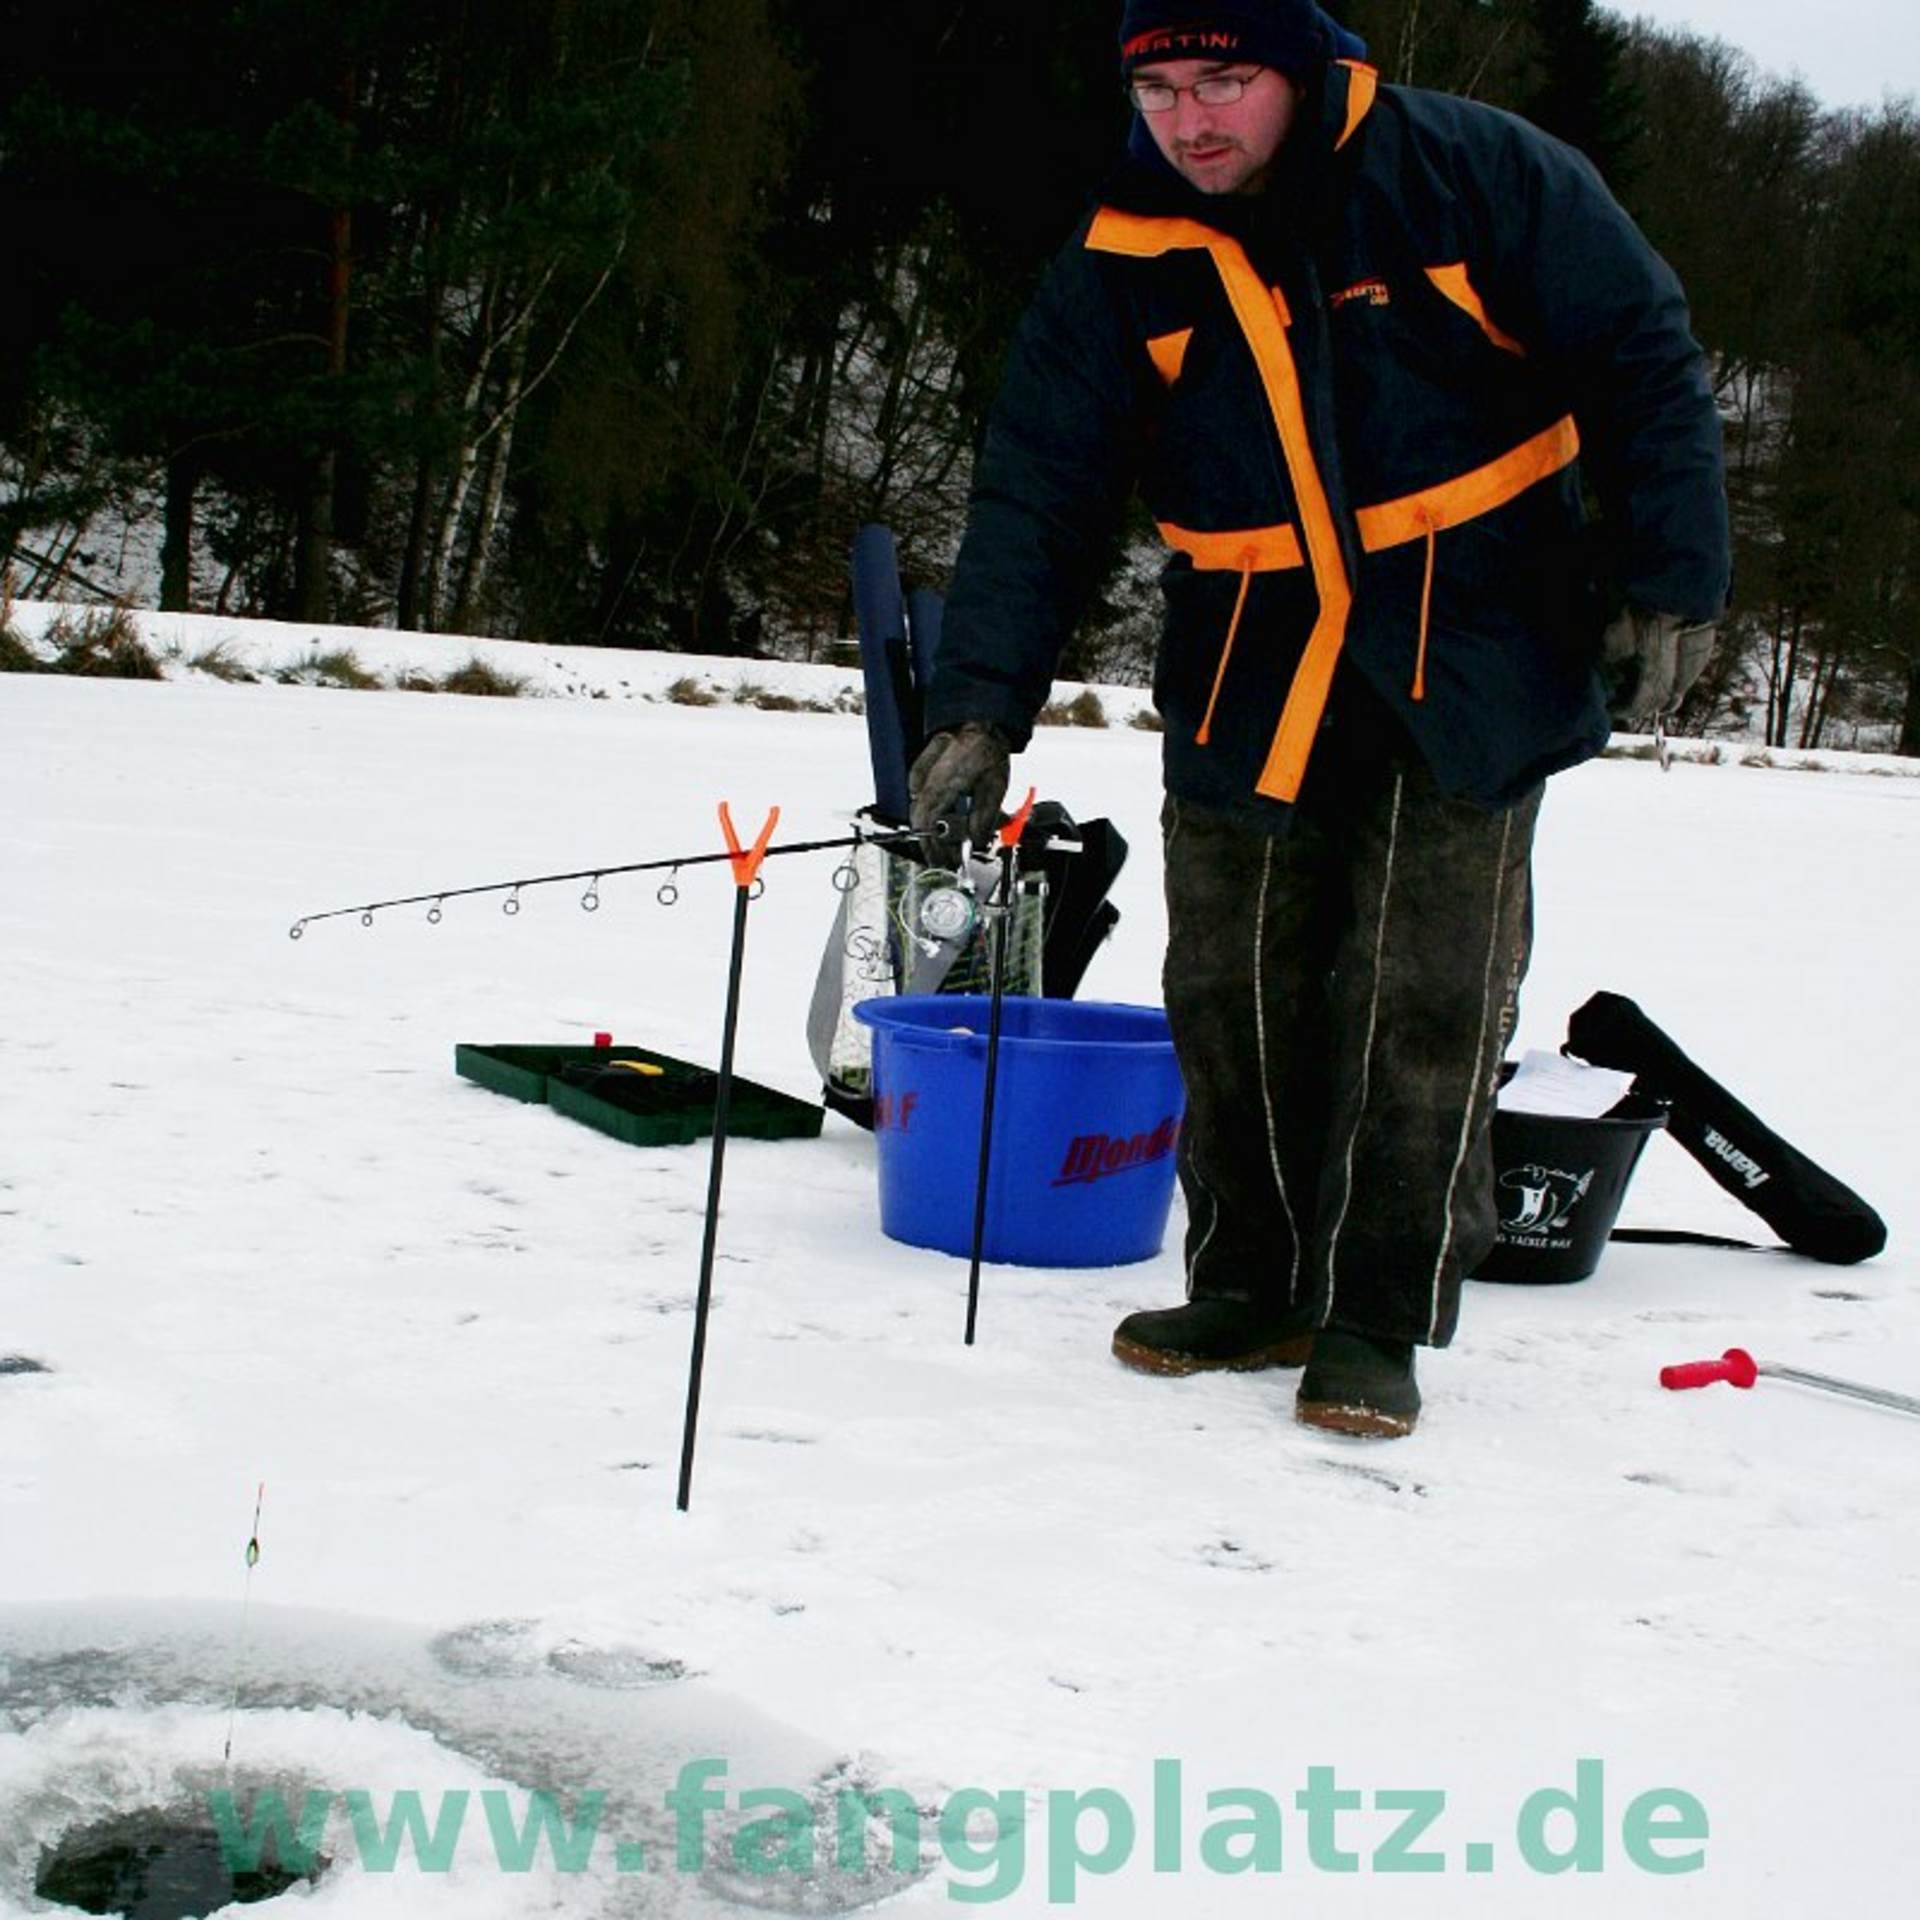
point(1358, 1385)
point(1216, 1333)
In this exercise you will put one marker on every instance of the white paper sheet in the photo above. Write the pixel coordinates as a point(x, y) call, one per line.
point(1551, 1083)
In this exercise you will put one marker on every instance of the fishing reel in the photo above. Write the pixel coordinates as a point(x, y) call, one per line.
point(948, 913)
point(944, 904)
point(941, 907)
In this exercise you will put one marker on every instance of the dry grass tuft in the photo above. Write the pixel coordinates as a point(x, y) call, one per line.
point(102, 643)
point(1083, 710)
point(689, 692)
point(477, 677)
point(339, 667)
point(224, 664)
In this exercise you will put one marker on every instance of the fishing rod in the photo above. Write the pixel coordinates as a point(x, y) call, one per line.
point(590, 900)
point(748, 886)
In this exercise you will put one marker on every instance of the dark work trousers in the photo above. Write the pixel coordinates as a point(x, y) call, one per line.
point(1341, 996)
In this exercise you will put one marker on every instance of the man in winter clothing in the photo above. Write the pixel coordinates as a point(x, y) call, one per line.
point(1355, 344)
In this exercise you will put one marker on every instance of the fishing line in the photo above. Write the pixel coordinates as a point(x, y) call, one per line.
point(246, 1608)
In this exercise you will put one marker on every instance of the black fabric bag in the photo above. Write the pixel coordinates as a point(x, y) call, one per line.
point(1806, 1206)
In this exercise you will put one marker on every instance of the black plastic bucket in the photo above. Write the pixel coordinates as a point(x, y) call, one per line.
point(1558, 1185)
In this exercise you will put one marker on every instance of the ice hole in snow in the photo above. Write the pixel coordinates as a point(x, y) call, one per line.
point(155, 1864)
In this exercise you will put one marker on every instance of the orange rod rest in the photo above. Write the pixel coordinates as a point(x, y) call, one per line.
point(746, 862)
point(1011, 832)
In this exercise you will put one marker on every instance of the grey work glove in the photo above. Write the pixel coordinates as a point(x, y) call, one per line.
point(1649, 660)
point(957, 785)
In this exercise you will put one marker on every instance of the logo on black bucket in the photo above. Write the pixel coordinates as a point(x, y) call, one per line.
point(1538, 1202)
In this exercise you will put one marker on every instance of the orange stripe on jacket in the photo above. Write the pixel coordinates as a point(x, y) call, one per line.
point(1363, 87)
point(1411, 517)
point(1453, 282)
point(1263, 319)
point(1168, 352)
point(1255, 550)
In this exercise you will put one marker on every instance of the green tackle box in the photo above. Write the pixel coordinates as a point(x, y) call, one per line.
point(683, 1114)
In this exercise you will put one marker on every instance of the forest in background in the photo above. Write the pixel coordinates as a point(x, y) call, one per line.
point(608, 321)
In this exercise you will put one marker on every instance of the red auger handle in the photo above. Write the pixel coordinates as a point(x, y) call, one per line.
point(1736, 1366)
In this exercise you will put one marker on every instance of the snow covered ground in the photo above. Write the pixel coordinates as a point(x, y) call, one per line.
point(257, 1231)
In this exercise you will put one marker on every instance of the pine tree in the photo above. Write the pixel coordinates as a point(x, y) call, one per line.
point(1580, 92)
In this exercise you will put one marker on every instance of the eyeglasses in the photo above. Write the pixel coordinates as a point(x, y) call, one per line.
point(1216, 90)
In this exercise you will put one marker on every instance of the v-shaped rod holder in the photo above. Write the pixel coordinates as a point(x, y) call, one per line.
point(746, 860)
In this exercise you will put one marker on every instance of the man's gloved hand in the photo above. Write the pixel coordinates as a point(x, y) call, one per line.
point(957, 785)
point(1649, 660)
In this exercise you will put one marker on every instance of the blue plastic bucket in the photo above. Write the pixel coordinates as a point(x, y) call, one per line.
point(1086, 1115)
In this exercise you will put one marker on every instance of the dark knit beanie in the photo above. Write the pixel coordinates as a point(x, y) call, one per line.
point(1289, 35)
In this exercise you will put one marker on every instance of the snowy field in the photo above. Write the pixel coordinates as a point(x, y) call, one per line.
point(256, 1230)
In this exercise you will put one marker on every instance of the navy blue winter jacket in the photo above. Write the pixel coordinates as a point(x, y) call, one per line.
point(1358, 407)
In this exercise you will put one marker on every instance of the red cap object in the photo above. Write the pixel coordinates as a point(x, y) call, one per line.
point(603, 1039)
point(1736, 1366)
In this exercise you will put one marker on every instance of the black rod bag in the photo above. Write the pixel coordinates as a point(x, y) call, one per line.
point(1806, 1206)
